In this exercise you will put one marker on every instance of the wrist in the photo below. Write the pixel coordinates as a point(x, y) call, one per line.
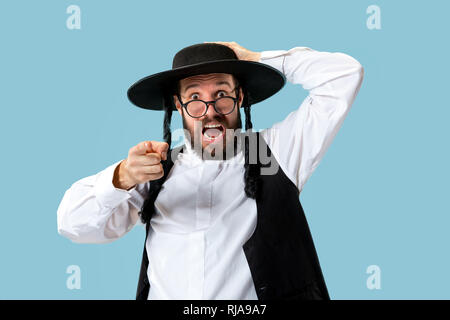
point(121, 179)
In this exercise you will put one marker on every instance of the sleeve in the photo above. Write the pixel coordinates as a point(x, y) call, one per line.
point(333, 80)
point(92, 210)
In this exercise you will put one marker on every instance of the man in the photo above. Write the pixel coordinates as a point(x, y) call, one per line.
point(221, 229)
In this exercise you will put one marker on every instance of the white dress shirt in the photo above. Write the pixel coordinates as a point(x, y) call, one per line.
point(203, 216)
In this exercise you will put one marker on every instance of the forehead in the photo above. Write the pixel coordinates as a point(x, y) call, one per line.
point(214, 79)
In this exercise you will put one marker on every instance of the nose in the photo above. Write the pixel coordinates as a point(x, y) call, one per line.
point(211, 112)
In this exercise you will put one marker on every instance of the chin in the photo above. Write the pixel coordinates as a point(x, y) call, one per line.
point(217, 146)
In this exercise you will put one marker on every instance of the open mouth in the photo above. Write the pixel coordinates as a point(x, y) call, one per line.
point(212, 131)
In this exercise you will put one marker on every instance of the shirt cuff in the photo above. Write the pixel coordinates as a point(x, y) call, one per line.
point(273, 58)
point(106, 193)
point(276, 58)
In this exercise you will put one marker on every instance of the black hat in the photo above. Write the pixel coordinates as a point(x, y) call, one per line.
point(155, 91)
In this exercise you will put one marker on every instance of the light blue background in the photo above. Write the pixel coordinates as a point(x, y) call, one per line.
point(378, 196)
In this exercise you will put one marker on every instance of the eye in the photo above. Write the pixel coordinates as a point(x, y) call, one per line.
point(223, 95)
point(194, 96)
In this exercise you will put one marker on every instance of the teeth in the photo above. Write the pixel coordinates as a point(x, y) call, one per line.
point(212, 126)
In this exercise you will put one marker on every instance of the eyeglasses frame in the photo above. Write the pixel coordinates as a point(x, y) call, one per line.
point(207, 103)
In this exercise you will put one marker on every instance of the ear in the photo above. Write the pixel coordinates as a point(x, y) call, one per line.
point(177, 104)
point(241, 97)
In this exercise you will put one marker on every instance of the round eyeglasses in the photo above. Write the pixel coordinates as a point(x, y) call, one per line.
point(198, 108)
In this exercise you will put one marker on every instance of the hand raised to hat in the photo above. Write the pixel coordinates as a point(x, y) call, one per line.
point(241, 52)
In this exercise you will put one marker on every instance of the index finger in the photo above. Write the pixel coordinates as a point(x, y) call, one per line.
point(161, 148)
point(141, 148)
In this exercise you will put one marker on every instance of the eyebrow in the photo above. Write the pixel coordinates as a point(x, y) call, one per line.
point(218, 83)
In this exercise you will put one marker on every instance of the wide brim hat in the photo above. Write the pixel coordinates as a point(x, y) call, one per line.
point(259, 80)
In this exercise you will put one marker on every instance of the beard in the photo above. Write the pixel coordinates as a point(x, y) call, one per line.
point(214, 151)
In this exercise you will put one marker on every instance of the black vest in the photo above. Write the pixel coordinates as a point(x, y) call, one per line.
point(281, 255)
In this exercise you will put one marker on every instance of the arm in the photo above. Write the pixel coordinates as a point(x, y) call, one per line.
point(94, 211)
point(103, 207)
point(333, 80)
